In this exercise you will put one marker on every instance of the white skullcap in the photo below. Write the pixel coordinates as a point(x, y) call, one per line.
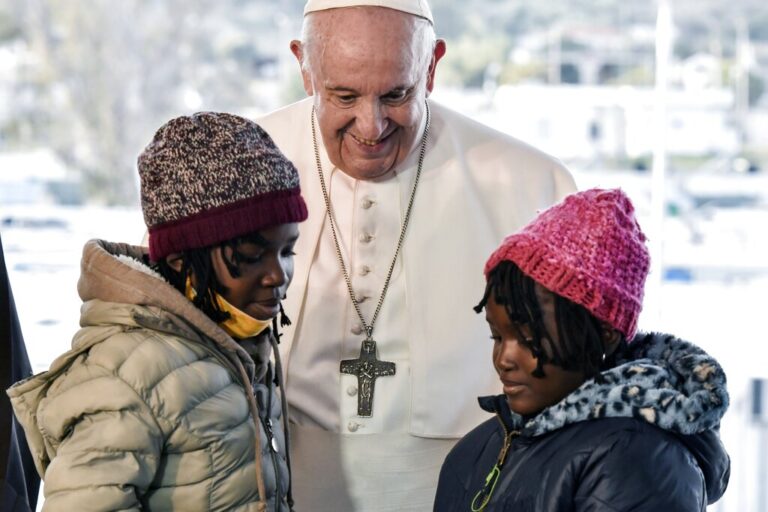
point(415, 7)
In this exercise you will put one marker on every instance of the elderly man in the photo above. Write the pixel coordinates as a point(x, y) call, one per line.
point(407, 199)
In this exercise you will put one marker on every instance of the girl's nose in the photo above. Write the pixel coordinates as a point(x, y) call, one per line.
point(276, 273)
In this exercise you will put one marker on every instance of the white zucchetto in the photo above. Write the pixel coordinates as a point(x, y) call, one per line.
point(415, 7)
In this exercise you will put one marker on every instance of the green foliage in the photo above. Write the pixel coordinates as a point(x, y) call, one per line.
point(517, 73)
point(8, 28)
point(467, 59)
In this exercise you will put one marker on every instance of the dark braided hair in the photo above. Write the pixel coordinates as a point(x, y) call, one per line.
point(580, 334)
point(199, 263)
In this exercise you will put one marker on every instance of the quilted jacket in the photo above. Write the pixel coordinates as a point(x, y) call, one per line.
point(155, 407)
point(640, 436)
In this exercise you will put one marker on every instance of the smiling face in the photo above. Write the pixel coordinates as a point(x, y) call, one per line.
point(515, 363)
point(370, 72)
point(264, 269)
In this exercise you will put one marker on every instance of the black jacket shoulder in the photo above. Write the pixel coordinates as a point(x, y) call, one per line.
point(604, 464)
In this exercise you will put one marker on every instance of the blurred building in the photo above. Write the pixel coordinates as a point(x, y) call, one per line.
point(590, 123)
point(37, 177)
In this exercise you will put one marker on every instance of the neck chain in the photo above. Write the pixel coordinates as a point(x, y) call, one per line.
point(367, 368)
point(369, 327)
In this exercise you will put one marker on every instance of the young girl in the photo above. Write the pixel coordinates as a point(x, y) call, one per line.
point(592, 416)
point(167, 400)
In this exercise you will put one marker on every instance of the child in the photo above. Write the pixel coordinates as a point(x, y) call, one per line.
point(167, 400)
point(592, 416)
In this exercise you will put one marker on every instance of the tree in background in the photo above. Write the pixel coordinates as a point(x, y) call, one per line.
point(100, 76)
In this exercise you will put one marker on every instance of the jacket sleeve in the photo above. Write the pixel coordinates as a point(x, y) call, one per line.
point(641, 471)
point(450, 491)
point(107, 446)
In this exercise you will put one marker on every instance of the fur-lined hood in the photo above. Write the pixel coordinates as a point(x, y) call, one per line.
point(658, 378)
point(118, 273)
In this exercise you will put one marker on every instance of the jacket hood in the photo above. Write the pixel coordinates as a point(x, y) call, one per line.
point(658, 379)
point(118, 273)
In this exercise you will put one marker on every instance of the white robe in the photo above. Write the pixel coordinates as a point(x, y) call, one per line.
point(477, 186)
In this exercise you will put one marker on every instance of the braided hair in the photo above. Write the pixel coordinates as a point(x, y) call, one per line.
point(580, 334)
point(198, 262)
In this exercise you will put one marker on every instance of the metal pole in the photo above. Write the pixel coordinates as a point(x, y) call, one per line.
point(658, 172)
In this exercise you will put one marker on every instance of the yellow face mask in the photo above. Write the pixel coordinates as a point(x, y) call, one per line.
point(239, 325)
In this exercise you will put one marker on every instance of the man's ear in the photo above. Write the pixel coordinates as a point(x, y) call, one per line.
point(438, 54)
point(174, 261)
point(297, 48)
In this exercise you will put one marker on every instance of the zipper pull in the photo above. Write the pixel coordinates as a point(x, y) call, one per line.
point(271, 436)
point(483, 496)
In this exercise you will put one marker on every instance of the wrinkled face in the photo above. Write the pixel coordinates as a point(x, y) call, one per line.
point(265, 271)
point(370, 74)
point(527, 395)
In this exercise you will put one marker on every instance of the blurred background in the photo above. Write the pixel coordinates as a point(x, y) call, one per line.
point(667, 99)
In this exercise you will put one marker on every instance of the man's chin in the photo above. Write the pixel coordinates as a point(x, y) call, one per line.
point(363, 169)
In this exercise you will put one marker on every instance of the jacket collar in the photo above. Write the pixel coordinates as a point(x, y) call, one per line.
point(118, 273)
point(659, 379)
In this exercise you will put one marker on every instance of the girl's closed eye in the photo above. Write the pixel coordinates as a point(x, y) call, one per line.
point(248, 257)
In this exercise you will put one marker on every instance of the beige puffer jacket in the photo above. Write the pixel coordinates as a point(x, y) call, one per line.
point(154, 407)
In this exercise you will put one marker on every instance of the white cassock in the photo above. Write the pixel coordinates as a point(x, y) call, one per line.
point(477, 185)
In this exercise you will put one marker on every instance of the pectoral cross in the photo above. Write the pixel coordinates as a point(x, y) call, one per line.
point(367, 369)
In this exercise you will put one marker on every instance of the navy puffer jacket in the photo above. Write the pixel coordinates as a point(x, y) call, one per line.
point(641, 436)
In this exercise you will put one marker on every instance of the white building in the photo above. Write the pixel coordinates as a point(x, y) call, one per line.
point(593, 122)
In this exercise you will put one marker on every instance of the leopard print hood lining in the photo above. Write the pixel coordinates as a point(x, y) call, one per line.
point(659, 379)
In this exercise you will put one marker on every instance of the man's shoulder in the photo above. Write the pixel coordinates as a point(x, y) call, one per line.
point(289, 127)
point(485, 142)
point(284, 117)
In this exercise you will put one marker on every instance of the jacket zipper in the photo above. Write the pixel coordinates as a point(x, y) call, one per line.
point(484, 495)
point(272, 443)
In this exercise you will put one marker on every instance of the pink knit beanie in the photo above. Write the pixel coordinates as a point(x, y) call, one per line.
point(589, 249)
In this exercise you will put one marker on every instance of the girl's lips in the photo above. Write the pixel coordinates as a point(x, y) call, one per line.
point(513, 388)
point(265, 309)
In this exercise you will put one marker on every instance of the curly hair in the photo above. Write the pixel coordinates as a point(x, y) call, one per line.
point(580, 334)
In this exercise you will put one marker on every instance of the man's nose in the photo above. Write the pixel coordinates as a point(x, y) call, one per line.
point(371, 120)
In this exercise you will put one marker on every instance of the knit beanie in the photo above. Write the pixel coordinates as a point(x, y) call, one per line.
point(589, 249)
point(212, 177)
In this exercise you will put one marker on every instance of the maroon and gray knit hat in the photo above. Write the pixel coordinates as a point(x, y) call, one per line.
point(589, 249)
point(212, 177)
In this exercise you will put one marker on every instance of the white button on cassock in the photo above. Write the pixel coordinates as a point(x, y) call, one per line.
point(357, 329)
point(367, 203)
point(365, 237)
point(352, 426)
point(352, 390)
point(364, 270)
